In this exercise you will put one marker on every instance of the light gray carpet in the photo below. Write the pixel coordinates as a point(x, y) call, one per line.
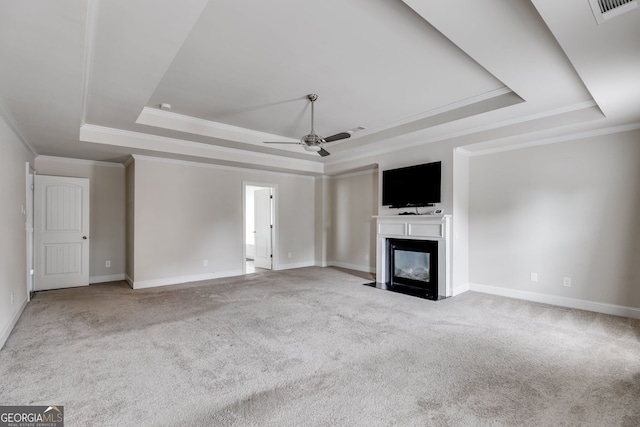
point(314, 347)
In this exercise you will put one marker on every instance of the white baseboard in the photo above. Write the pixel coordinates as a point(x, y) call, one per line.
point(103, 279)
point(598, 307)
point(295, 265)
point(129, 280)
point(9, 327)
point(363, 268)
point(141, 284)
point(460, 289)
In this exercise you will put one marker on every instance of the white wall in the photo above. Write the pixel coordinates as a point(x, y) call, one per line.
point(107, 211)
point(186, 213)
point(570, 209)
point(354, 202)
point(13, 259)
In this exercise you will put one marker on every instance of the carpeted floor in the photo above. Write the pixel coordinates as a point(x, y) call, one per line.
point(313, 347)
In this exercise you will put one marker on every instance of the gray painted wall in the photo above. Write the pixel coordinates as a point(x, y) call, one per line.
point(354, 202)
point(187, 212)
point(570, 209)
point(13, 249)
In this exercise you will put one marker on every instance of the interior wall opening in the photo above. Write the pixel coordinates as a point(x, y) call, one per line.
point(259, 237)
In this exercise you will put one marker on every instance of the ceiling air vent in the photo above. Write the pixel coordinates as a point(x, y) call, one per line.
point(604, 10)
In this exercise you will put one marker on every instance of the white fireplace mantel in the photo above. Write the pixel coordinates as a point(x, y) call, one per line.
point(416, 227)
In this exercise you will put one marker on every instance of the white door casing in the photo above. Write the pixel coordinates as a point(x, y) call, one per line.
point(262, 212)
point(61, 234)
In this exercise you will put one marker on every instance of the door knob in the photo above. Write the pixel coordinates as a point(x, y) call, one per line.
point(84, 237)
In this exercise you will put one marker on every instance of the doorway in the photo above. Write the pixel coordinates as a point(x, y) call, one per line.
point(259, 235)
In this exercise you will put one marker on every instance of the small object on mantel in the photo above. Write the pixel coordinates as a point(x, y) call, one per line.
point(436, 212)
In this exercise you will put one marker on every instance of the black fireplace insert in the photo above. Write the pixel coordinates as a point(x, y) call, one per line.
point(412, 267)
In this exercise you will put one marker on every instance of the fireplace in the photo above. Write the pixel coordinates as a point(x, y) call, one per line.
point(422, 260)
point(413, 267)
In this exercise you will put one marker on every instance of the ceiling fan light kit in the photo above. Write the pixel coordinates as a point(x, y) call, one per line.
point(314, 142)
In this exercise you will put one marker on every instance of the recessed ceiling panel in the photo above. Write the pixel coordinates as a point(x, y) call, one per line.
point(251, 64)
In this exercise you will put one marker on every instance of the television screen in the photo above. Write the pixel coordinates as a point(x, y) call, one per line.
point(411, 186)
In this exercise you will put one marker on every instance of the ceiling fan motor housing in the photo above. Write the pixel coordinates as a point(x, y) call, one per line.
point(312, 139)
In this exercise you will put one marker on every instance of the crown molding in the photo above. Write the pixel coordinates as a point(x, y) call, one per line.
point(215, 166)
point(189, 124)
point(80, 161)
point(89, 43)
point(450, 136)
point(552, 140)
point(369, 171)
point(172, 146)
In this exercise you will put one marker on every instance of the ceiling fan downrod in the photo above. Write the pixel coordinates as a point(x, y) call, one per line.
point(312, 97)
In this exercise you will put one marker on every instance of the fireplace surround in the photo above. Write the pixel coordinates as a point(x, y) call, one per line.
point(417, 235)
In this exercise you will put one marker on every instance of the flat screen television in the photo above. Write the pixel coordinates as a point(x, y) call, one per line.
point(412, 186)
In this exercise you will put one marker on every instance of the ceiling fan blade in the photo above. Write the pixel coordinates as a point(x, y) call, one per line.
point(280, 142)
point(323, 152)
point(337, 137)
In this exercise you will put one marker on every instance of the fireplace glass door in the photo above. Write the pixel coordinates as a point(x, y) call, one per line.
point(413, 266)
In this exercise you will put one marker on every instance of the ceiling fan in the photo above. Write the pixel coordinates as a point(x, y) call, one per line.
point(313, 141)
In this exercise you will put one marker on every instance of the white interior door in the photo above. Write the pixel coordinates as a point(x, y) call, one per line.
point(61, 234)
point(262, 215)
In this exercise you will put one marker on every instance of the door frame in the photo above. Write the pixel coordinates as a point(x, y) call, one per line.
point(30, 173)
point(274, 235)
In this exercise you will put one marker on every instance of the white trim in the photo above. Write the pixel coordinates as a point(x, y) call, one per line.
point(363, 268)
point(183, 279)
point(9, 327)
point(80, 161)
point(220, 167)
point(580, 304)
point(181, 147)
point(211, 128)
point(29, 226)
point(275, 196)
point(370, 171)
point(89, 43)
point(385, 149)
point(294, 265)
point(457, 290)
point(129, 280)
point(129, 160)
point(103, 279)
point(440, 110)
point(552, 140)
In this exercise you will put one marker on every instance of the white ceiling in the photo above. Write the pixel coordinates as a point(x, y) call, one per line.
point(84, 78)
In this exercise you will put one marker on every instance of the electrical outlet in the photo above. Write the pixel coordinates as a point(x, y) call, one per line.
point(366, 257)
point(205, 262)
point(289, 254)
point(107, 263)
point(534, 277)
point(566, 282)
